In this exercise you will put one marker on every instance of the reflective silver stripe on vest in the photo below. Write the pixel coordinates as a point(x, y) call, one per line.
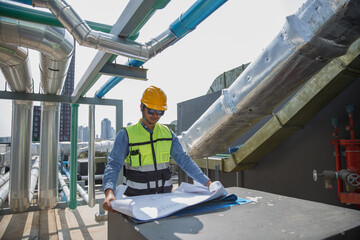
point(148, 168)
point(143, 186)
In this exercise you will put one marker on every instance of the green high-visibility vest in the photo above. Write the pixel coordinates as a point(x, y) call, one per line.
point(143, 146)
point(148, 159)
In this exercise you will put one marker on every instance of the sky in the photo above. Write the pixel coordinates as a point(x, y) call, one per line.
point(233, 35)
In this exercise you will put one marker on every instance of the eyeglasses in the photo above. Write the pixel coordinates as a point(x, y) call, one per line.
point(153, 111)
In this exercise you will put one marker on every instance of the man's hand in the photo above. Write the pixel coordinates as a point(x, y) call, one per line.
point(109, 196)
point(208, 184)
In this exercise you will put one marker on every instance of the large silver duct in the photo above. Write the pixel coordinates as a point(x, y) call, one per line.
point(49, 138)
point(14, 64)
point(320, 31)
point(56, 47)
point(113, 44)
point(21, 132)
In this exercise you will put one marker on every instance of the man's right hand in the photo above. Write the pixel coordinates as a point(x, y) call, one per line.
point(109, 196)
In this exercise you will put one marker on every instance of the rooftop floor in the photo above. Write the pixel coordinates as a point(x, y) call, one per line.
point(55, 224)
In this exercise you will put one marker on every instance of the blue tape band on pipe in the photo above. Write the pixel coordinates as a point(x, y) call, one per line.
point(197, 13)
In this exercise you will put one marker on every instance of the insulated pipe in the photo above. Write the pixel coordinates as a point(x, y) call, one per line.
point(14, 63)
point(310, 39)
point(103, 146)
point(197, 13)
point(64, 187)
point(90, 38)
point(4, 178)
point(73, 156)
point(34, 178)
point(79, 189)
point(15, 11)
point(112, 43)
point(91, 157)
point(187, 22)
point(83, 194)
point(97, 177)
point(48, 184)
point(56, 47)
point(4, 193)
point(55, 44)
point(20, 155)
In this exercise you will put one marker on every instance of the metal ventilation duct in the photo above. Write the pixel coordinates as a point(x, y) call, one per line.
point(114, 44)
point(320, 31)
point(14, 64)
point(56, 47)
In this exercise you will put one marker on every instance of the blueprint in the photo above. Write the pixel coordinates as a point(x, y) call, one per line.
point(153, 206)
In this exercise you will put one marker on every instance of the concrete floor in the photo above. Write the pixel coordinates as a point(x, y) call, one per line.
point(54, 224)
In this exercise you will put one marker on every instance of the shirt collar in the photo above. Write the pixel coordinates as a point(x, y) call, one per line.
point(146, 127)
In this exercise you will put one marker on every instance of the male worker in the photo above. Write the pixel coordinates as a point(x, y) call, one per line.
point(144, 149)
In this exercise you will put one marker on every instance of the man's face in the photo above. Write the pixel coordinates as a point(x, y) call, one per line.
point(151, 118)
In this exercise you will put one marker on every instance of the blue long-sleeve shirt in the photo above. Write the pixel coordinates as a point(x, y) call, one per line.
point(121, 150)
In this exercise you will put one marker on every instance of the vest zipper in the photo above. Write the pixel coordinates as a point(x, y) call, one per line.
point(155, 163)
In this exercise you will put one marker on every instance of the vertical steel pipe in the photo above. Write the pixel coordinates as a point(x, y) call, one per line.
point(73, 156)
point(48, 184)
point(91, 157)
point(20, 155)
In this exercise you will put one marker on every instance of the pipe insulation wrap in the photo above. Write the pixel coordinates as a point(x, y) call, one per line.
point(48, 183)
point(188, 21)
point(85, 36)
point(320, 31)
point(15, 65)
point(20, 155)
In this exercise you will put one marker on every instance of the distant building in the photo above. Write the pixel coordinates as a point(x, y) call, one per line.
point(65, 114)
point(5, 139)
point(83, 134)
point(36, 123)
point(107, 132)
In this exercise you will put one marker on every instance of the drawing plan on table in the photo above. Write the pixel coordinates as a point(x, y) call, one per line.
point(153, 206)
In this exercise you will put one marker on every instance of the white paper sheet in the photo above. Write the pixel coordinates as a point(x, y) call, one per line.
point(148, 207)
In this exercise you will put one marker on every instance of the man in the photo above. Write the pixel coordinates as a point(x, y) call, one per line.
point(144, 150)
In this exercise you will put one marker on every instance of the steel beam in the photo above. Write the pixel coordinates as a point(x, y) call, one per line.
point(124, 71)
point(57, 98)
point(132, 16)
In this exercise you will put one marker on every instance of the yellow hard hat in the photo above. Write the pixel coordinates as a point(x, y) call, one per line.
point(154, 98)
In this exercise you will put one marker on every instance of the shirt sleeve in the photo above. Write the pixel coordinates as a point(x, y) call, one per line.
point(185, 162)
point(115, 160)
